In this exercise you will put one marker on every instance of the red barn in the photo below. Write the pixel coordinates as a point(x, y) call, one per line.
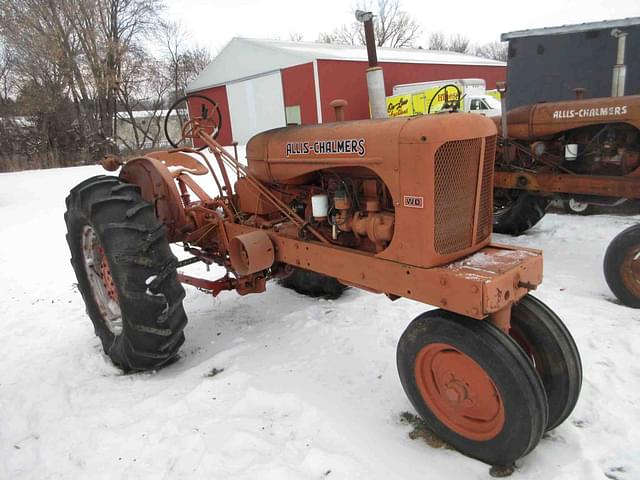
point(262, 84)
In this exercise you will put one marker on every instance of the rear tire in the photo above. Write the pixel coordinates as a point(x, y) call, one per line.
point(517, 211)
point(313, 284)
point(622, 266)
point(126, 273)
point(473, 386)
point(543, 336)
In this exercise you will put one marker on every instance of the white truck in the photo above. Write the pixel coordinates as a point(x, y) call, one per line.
point(414, 98)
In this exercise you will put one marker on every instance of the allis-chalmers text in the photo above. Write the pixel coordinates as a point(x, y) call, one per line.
point(590, 112)
point(328, 147)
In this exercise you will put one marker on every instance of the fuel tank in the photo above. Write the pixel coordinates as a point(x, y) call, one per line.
point(438, 170)
point(545, 120)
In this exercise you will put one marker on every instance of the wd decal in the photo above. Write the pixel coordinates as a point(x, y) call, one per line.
point(413, 202)
point(349, 146)
point(591, 112)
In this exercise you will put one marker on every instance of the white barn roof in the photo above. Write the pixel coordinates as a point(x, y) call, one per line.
point(243, 58)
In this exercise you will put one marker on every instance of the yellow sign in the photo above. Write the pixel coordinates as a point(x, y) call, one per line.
point(399, 106)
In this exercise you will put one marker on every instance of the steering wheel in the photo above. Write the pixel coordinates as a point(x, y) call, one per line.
point(206, 116)
point(454, 105)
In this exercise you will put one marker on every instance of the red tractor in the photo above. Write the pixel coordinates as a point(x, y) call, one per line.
point(400, 207)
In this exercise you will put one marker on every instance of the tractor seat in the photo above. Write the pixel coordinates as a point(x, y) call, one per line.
point(179, 161)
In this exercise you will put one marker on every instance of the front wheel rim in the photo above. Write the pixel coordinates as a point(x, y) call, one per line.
point(576, 206)
point(459, 392)
point(630, 270)
point(101, 281)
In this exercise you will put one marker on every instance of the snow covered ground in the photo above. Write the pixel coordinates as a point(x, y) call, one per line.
point(309, 388)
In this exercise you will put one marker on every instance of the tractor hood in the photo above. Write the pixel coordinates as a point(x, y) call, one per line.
point(532, 122)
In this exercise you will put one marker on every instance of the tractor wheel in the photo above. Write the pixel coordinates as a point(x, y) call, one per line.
point(576, 207)
point(473, 385)
point(622, 266)
point(313, 284)
point(126, 273)
point(515, 212)
point(543, 336)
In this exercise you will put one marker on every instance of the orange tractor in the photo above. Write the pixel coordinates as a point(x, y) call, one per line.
point(401, 207)
point(585, 152)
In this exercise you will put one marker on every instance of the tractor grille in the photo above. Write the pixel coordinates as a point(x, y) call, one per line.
point(456, 167)
point(485, 215)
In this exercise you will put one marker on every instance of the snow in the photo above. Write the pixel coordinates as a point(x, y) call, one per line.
point(303, 388)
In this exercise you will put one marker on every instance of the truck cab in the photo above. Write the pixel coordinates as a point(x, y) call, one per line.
point(484, 105)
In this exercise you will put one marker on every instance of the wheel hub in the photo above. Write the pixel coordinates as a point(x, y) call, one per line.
point(459, 392)
point(456, 392)
point(630, 270)
point(101, 281)
point(107, 279)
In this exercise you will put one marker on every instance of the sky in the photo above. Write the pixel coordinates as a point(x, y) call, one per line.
point(212, 23)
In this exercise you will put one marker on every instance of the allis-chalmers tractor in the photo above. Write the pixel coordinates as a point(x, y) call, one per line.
point(398, 206)
point(585, 152)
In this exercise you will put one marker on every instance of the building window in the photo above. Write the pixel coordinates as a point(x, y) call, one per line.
point(292, 115)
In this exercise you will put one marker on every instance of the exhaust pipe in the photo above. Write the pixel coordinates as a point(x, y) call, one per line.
point(502, 90)
point(619, 69)
point(375, 77)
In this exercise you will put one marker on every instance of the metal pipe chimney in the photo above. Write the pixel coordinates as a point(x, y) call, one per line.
point(375, 77)
point(619, 69)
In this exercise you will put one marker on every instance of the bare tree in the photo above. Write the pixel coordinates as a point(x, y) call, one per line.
point(459, 43)
point(393, 26)
point(183, 64)
point(451, 43)
point(493, 50)
point(343, 35)
point(141, 97)
point(437, 41)
point(195, 60)
point(106, 30)
point(173, 36)
point(68, 57)
point(296, 37)
point(86, 39)
point(6, 80)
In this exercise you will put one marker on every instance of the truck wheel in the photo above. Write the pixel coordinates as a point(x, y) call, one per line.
point(549, 345)
point(622, 266)
point(515, 212)
point(473, 386)
point(126, 273)
point(313, 284)
point(576, 207)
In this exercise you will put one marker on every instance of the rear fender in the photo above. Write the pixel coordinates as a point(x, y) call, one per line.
point(159, 188)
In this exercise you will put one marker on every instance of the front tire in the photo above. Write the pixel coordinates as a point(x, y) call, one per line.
point(516, 211)
point(622, 266)
point(473, 386)
point(126, 273)
point(543, 336)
